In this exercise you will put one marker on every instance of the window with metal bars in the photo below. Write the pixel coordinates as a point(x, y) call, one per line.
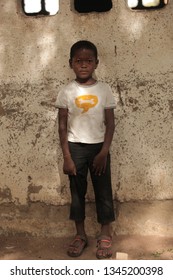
point(40, 7)
point(146, 4)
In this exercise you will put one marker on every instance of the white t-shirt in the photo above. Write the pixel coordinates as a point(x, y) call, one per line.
point(86, 106)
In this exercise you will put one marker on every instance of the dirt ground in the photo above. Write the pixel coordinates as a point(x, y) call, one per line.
point(32, 248)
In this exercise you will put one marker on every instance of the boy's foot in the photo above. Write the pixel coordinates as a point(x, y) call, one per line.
point(104, 247)
point(77, 246)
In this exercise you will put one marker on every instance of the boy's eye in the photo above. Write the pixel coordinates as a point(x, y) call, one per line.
point(79, 61)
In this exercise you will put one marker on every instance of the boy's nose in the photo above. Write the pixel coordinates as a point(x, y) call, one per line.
point(84, 63)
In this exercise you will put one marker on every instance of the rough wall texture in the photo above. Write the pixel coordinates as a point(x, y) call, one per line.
point(136, 51)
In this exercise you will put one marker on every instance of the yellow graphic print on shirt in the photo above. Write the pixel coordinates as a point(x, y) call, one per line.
point(86, 102)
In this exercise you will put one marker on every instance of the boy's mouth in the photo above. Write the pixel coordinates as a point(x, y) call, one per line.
point(84, 72)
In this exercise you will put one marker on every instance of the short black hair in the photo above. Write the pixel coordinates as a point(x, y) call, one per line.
point(83, 44)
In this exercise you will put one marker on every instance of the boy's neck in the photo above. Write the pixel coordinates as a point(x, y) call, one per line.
point(86, 82)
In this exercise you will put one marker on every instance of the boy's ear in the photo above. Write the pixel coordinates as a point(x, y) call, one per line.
point(70, 63)
point(97, 62)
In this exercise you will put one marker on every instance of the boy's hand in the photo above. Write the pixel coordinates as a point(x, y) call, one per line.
point(69, 167)
point(99, 163)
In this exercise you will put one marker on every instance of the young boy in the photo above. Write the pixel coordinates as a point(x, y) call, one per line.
point(86, 127)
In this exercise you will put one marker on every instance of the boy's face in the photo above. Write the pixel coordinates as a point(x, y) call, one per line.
point(83, 64)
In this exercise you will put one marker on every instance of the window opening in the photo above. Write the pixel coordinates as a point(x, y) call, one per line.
point(87, 6)
point(40, 7)
point(146, 4)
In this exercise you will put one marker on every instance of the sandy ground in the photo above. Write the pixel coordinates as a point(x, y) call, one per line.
point(32, 248)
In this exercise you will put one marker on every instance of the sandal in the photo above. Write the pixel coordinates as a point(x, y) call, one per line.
point(104, 247)
point(77, 246)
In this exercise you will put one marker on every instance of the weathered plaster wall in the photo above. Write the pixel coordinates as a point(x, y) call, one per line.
point(136, 51)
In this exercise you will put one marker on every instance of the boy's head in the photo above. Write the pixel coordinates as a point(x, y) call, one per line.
point(83, 60)
point(83, 44)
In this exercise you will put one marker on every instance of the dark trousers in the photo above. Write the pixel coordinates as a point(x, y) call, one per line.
point(83, 156)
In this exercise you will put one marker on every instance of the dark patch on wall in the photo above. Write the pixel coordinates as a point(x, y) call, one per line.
point(121, 102)
point(38, 217)
point(141, 84)
point(29, 178)
point(48, 104)
point(2, 111)
point(152, 103)
point(19, 111)
point(170, 105)
point(5, 193)
point(132, 102)
point(34, 189)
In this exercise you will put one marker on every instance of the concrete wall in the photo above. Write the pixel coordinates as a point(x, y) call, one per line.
point(135, 51)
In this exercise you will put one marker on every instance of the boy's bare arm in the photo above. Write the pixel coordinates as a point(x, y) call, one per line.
point(69, 166)
point(99, 163)
point(62, 121)
point(110, 128)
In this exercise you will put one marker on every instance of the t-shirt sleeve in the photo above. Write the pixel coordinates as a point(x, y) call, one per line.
point(61, 101)
point(110, 100)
